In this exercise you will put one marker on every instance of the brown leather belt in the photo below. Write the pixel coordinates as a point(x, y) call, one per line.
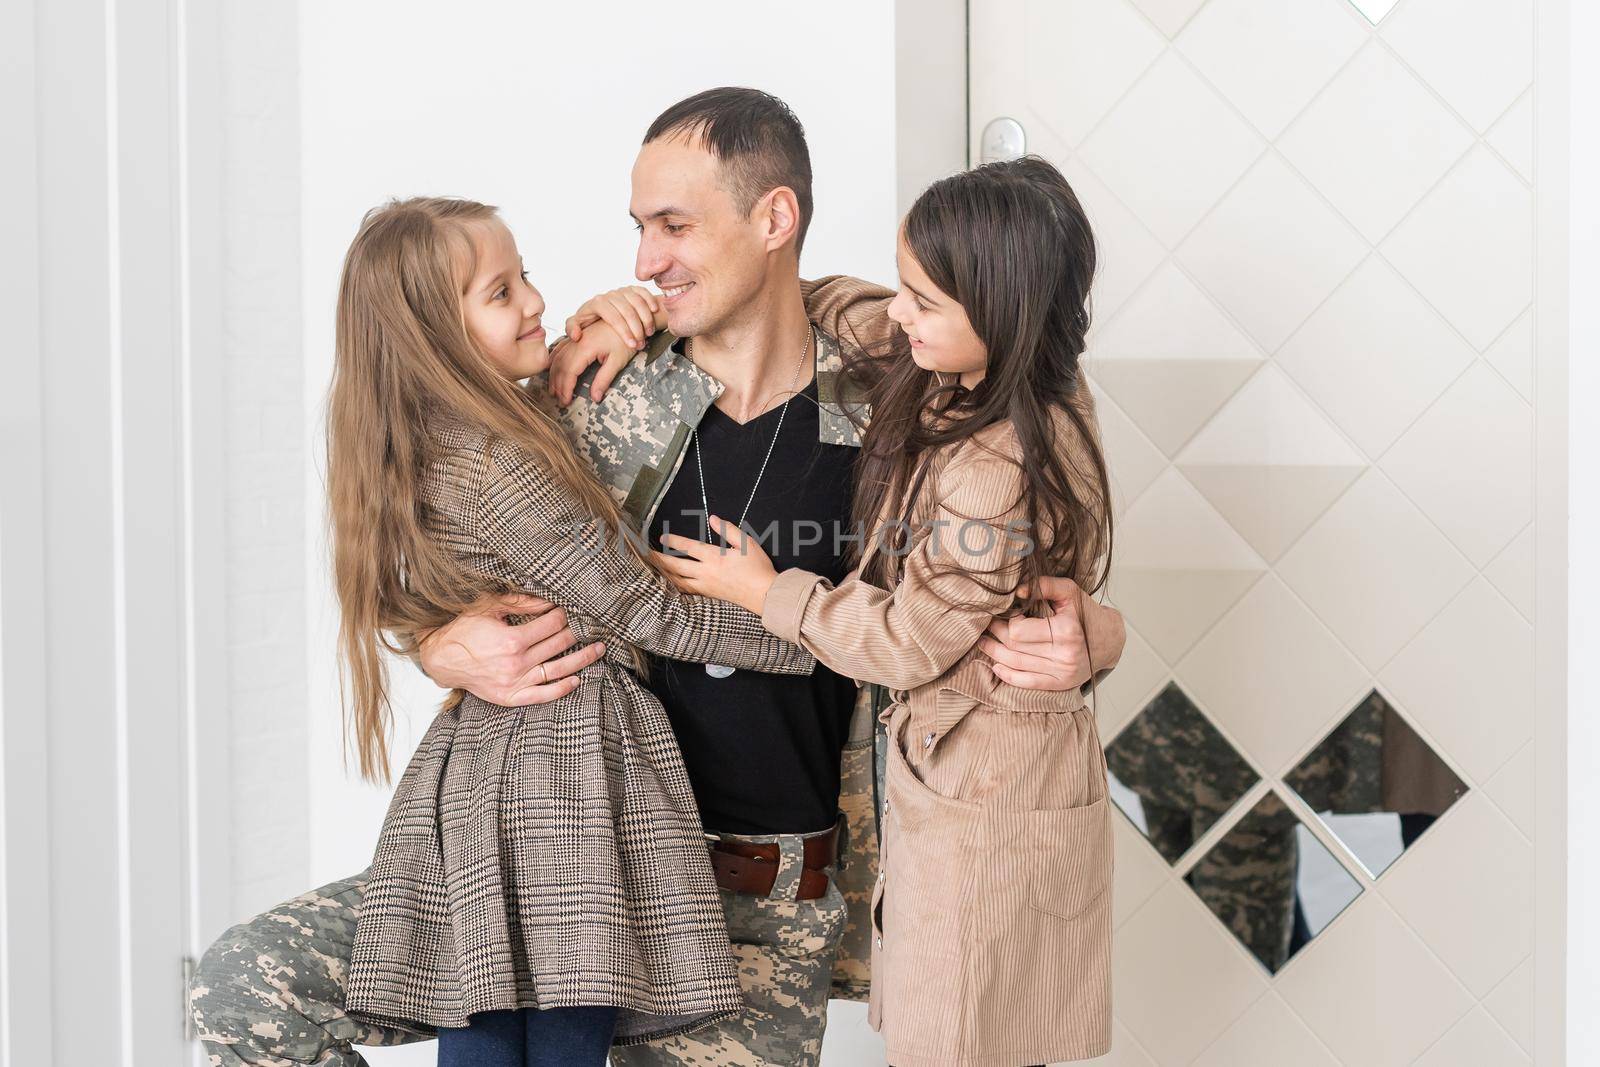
point(752, 866)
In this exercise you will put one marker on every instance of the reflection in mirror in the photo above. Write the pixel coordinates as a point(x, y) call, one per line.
point(1374, 10)
point(1376, 784)
point(1173, 775)
point(1272, 883)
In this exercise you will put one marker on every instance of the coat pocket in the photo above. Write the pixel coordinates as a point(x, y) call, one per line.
point(1045, 957)
point(1072, 859)
point(928, 840)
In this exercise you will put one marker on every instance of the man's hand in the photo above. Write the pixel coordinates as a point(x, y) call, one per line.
point(623, 318)
point(511, 666)
point(1052, 653)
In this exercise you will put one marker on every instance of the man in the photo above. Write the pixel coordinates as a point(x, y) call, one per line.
point(738, 411)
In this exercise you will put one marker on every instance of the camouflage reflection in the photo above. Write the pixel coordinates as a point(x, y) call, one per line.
point(1374, 761)
point(1345, 772)
point(1184, 772)
point(1248, 880)
point(270, 991)
point(784, 950)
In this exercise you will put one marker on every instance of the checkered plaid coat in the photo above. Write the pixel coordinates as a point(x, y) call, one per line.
point(553, 855)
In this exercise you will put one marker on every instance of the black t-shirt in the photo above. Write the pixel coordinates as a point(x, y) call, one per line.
point(762, 750)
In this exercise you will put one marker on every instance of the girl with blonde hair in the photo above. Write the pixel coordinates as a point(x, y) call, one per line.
point(541, 886)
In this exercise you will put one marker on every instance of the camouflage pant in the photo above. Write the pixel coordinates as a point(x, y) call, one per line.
point(270, 991)
point(784, 950)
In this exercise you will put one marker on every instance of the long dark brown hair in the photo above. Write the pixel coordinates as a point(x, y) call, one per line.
point(1011, 244)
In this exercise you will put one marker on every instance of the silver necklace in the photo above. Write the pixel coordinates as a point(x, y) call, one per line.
point(718, 670)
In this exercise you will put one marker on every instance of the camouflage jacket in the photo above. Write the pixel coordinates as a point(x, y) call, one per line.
point(636, 438)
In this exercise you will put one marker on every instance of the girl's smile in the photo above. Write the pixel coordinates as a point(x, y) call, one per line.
point(941, 336)
point(502, 311)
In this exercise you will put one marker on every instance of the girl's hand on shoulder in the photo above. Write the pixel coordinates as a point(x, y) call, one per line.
point(740, 573)
point(632, 310)
point(570, 358)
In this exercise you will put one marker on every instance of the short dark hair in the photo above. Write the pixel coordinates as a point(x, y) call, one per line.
point(756, 139)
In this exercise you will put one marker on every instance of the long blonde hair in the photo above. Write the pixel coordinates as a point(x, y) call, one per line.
point(403, 355)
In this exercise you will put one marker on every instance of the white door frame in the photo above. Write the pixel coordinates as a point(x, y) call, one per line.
point(930, 94)
point(1552, 302)
point(110, 523)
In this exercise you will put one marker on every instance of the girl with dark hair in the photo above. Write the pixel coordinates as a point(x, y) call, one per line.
point(982, 467)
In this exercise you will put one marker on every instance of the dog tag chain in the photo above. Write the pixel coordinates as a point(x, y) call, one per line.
point(718, 670)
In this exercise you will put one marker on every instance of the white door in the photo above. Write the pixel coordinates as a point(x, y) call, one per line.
point(1313, 355)
point(107, 531)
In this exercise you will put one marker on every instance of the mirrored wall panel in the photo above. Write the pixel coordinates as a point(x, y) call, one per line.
point(1376, 784)
point(1173, 774)
point(1272, 883)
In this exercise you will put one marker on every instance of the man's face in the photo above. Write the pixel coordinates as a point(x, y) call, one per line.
point(706, 256)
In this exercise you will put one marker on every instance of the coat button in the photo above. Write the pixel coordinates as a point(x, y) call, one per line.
point(877, 942)
point(927, 742)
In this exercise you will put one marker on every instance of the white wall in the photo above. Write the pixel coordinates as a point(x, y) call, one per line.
point(539, 109)
point(264, 457)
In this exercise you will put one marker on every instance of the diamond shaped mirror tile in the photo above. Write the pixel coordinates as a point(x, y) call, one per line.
point(1374, 10)
point(1272, 883)
point(1376, 784)
point(1173, 774)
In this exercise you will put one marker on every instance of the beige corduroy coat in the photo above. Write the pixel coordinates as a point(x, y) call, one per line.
point(992, 912)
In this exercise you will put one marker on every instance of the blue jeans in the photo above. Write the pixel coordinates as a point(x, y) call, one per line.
point(528, 1037)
